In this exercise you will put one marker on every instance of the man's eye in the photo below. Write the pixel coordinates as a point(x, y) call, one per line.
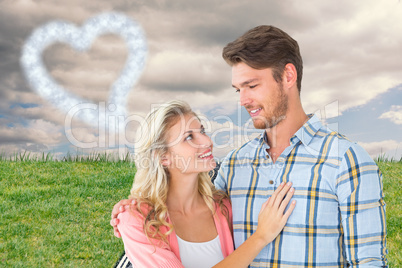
point(237, 90)
point(253, 86)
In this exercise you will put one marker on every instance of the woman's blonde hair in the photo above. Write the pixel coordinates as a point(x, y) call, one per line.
point(151, 181)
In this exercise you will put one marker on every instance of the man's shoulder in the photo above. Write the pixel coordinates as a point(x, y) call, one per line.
point(326, 135)
point(334, 144)
point(320, 139)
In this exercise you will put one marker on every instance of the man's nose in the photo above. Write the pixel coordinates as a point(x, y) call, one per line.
point(244, 98)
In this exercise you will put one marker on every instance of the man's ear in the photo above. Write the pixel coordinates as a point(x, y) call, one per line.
point(290, 75)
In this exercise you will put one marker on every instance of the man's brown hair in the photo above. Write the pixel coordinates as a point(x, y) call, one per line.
point(266, 47)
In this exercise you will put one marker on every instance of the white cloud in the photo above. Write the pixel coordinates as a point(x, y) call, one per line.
point(395, 114)
point(182, 69)
point(36, 131)
point(350, 57)
point(387, 148)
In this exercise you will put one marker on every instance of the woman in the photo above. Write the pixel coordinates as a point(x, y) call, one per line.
point(179, 219)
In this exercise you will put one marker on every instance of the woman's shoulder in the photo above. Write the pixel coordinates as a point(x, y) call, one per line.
point(225, 201)
point(222, 198)
point(134, 214)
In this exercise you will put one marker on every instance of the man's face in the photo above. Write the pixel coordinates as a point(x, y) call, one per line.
point(264, 98)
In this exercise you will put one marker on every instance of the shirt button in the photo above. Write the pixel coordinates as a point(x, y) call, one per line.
point(271, 182)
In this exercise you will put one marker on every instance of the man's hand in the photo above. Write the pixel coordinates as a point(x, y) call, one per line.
point(120, 207)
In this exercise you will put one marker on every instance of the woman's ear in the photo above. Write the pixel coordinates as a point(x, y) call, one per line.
point(165, 161)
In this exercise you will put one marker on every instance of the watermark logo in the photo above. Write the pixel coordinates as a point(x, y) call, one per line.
point(223, 130)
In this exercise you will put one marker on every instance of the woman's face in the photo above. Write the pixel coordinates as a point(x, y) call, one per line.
point(189, 148)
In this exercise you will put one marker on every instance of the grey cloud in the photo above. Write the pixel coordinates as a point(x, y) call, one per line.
point(14, 140)
point(186, 87)
point(350, 49)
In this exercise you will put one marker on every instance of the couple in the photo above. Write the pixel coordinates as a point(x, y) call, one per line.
point(179, 219)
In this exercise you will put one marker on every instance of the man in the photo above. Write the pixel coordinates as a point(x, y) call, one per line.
point(339, 219)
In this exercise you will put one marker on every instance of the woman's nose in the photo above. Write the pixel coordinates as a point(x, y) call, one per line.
point(204, 141)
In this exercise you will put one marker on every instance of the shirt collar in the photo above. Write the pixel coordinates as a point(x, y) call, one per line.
point(306, 133)
point(264, 139)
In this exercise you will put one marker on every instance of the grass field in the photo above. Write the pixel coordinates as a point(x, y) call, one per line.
point(56, 214)
point(392, 182)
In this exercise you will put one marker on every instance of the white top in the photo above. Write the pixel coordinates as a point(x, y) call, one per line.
point(200, 255)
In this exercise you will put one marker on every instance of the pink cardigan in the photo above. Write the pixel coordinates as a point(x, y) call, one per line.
point(141, 253)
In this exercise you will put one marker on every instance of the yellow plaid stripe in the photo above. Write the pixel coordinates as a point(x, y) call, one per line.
point(299, 193)
point(296, 230)
point(251, 195)
point(364, 240)
point(289, 164)
point(352, 208)
point(360, 207)
point(313, 194)
point(296, 159)
point(231, 168)
point(362, 169)
point(384, 229)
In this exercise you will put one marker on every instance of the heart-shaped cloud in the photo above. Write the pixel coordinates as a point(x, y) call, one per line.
point(81, 39)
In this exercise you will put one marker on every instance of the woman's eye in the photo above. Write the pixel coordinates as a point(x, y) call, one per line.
point(237, 90)
point(189, 137)
point(203, 131)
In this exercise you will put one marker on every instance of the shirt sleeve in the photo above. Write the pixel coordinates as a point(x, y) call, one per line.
point(221, 179)
point(140, 251)
point(362, 207)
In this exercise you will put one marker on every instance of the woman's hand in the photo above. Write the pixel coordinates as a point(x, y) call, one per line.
point(271, 219)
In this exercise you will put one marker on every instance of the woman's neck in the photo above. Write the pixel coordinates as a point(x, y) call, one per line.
point(183, 195)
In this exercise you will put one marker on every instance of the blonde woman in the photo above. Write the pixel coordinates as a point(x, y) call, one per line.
point(178, 218)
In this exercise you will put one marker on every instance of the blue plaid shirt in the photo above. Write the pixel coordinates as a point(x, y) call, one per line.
point(339, 218)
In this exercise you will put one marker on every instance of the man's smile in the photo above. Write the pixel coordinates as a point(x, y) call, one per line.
point(255, 112)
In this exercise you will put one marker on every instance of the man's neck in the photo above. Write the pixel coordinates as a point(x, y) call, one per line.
point(279, 136)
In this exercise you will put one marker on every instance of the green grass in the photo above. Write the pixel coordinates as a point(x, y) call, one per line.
point(56, 213)
point(392, 182)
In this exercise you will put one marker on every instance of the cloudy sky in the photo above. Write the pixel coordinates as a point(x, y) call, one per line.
point(351, 52)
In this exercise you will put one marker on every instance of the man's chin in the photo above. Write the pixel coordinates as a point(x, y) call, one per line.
point(264, 124)
point(259, 124)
